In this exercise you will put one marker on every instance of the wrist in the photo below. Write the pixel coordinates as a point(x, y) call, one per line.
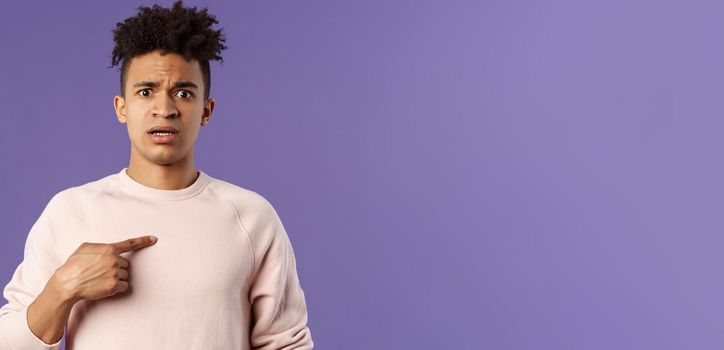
point(60, 293)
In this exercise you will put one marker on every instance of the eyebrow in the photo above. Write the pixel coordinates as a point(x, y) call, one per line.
point(178, 84)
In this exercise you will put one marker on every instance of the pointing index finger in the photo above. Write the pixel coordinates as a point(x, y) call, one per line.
point(133, 244)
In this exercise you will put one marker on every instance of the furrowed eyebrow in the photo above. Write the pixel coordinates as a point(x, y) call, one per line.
point(186, 84)
point(178, 84)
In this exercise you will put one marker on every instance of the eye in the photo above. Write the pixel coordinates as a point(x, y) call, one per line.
point(140, 92)
point(186, 95)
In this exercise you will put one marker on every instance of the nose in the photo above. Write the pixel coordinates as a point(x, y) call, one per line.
point(164, 106)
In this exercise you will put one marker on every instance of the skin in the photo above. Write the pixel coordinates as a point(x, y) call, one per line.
point(96, 270)
point(163, 166)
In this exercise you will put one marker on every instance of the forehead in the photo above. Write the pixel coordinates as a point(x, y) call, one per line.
point(171, 66)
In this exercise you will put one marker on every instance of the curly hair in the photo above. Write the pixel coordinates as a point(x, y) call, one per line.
point(180, 30)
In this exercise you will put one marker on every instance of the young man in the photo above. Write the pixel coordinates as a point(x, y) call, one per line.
point(159, 255)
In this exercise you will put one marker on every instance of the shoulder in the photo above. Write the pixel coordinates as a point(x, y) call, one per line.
point(72, 200)
point(62, 212)
point(244, 200)
point(70, 205)
point(254, 213)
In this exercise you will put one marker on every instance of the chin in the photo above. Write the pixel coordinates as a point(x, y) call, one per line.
point(165, 158)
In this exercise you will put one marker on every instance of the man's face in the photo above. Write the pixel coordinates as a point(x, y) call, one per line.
point(163, 90)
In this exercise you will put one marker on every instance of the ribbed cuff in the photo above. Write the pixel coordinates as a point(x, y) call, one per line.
point(19, 336)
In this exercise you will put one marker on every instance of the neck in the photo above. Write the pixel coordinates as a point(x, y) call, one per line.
point(173, 176)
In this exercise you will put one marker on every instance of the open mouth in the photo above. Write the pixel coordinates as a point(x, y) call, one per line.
point(163, 136)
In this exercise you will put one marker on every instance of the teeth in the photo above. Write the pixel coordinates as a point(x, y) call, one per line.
point(162, 133)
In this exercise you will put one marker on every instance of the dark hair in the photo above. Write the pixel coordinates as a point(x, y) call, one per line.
point(180, 30)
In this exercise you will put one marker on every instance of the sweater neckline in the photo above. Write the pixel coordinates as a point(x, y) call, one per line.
point(140, 189)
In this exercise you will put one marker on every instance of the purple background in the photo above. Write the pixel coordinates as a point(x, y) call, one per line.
point(452, 174)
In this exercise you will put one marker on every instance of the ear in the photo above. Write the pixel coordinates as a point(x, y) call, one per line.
point(119, 103)
point(208, 110)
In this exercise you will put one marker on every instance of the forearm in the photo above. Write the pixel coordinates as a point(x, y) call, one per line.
point(49, 313)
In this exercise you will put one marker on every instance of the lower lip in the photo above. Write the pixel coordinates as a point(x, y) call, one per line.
point(163, 138)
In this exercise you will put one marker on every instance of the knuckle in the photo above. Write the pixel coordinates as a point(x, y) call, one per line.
point(109, 260)
point(82, 247)
point(112, 284)
point(108, 249)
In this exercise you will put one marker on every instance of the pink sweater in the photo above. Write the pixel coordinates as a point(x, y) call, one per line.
point(222, 274)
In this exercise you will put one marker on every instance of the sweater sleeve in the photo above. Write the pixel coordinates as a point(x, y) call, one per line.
point(279, 311)
point(26, 283)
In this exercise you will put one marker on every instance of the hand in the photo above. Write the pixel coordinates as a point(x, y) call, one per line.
point(96, 270)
